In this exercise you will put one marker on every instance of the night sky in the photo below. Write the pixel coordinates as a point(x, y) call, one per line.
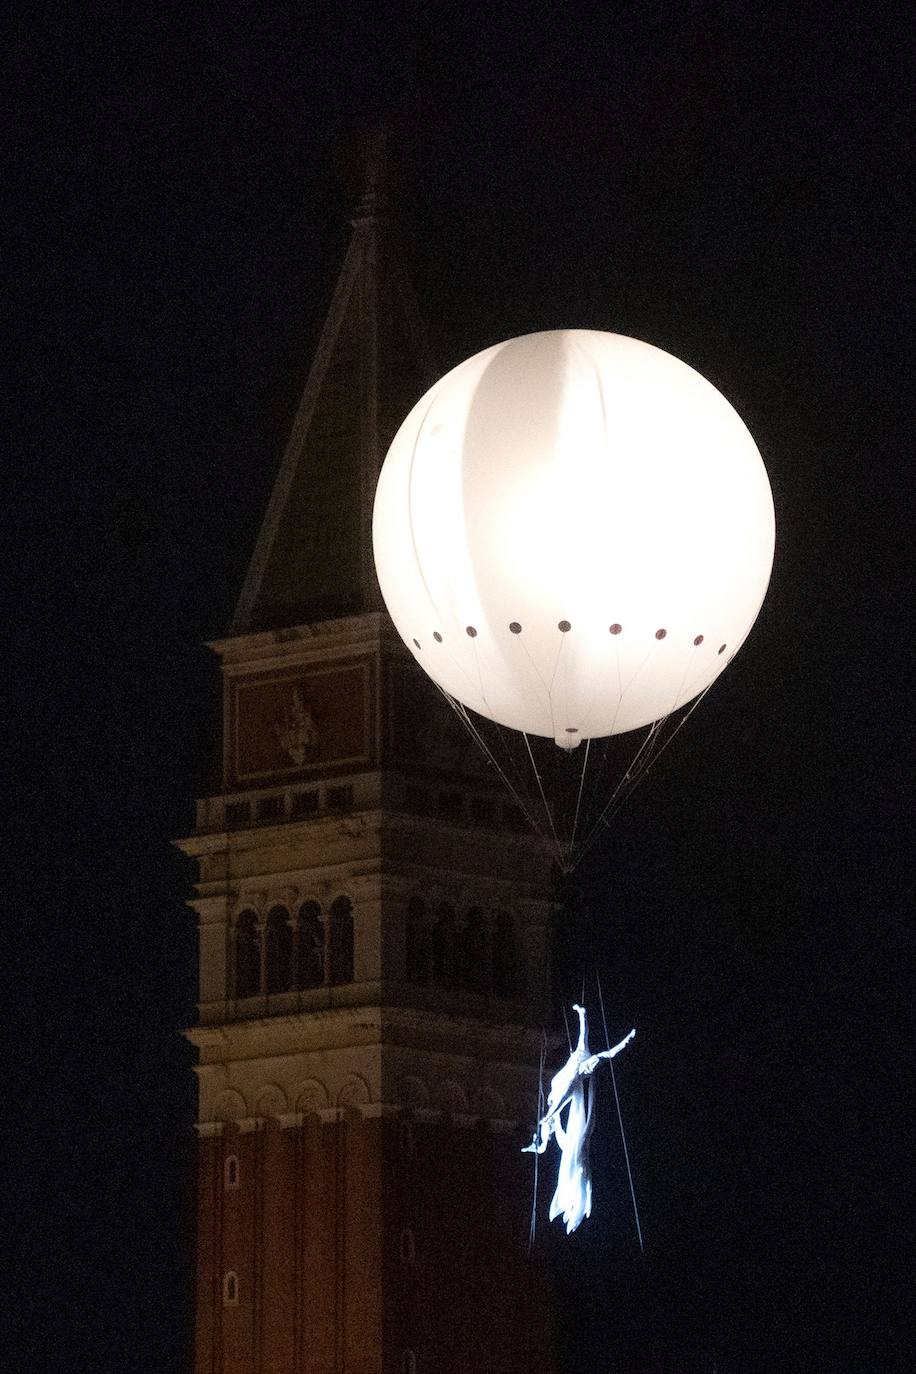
point(726, 181)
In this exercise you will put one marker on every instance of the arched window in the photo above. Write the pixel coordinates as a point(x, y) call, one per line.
point(340, 940)
point(247, 955)
point(231, 1172)
point(504, 957)
point(408, 1362)
point(417, 945)
point(230, 1289)
point(279, 950)
point(405, 1139)
point(474, 952)
point(310, 950)
point(443, 946)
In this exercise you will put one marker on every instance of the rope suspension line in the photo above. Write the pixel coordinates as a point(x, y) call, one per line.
point(623, 1138)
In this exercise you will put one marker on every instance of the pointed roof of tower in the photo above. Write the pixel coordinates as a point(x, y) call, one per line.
point(313, 557)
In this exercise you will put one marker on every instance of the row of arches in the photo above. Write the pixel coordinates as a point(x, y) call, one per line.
point(288, 951)
point(307, 948)
point(469, 952)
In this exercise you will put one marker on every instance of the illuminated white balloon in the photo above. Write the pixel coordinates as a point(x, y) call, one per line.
point(573, 533)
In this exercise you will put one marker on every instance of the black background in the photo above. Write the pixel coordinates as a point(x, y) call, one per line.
point(724, 180)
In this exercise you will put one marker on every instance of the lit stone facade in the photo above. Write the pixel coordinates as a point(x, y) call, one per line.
point(373, 951)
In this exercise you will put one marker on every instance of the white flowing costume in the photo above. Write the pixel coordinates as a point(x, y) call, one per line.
point(569, 1088)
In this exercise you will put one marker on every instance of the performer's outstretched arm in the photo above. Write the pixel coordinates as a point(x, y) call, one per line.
point(590, 1065)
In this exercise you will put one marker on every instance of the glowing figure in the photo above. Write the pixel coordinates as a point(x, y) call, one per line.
point(570, 1091)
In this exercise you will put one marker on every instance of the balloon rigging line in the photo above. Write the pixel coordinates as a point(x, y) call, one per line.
point(606, 742)
point(556, 662)
point(537, 670)
point(658, 753)
point(623, 1138)
point(600, 688)
point(459, 668)
point(687, 667)
point(483, 694)
point(572, 841)
point(476, 735)
point(513, 763)
point(553, 678)
point(501, 738)
point(570, 847)
point(604, 818)
point(634, 764)
point(634, 775)
point(461, 712)
point(597, 774)
point(546, 806)
point(566, 1024)
point(534, 1198)
point(640, 666)
point(568, 854)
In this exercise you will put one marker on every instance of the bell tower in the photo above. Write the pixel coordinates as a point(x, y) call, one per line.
point(373, 935)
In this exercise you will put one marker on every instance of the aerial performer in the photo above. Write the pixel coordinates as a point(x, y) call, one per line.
point(570, 1092)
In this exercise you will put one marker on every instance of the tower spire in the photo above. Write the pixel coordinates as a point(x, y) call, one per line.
point(313, 556)
point(372, 151)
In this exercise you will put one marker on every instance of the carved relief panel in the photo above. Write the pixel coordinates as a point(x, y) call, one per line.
point(295, 721)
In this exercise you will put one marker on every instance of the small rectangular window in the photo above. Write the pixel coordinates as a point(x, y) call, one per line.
point(238, 812)
point(339, 798)
point(270, 808)
point(305, 803)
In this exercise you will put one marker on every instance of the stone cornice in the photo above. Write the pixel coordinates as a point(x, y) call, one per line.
point(251, 839)
point(367, 1026)
point(345, 636)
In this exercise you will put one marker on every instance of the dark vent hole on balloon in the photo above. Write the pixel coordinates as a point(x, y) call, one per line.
point(515, 627)
point(722, 648)
point(615, 628)
point(698, 641)
point(660, 634)
point(437, 637)
point(472, 632)
point(417, 643)
point(564, 626)
point(572, 729)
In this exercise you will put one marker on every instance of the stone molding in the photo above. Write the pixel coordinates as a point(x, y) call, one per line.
point(464, 1088)
point(310, 641)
